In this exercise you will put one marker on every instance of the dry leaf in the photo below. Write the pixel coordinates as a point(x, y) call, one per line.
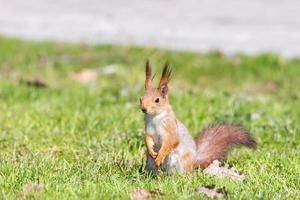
point(32, 188)
point(26, 188)
point(143, 194)
point(210, 192)
point(129, 163)
point(223, 171)
point(85, 76)
point(35, 82)
point(269, 86)
point(53, 151)
point(140, 194)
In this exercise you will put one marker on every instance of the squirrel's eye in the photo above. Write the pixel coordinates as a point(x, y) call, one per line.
point(157, 100)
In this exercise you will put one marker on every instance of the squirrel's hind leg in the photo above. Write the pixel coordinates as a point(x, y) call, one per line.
point(172, 164)
point(187, 161)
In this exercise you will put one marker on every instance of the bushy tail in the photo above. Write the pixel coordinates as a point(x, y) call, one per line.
point(214, 142)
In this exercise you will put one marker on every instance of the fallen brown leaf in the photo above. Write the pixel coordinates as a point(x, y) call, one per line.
point(267, 87)
point(85, 76)
point(32, 188)
point(129, 163)
point(223, 171)
point(35, 82)
point(140, 194)
point(53, 151)
point(210, 192)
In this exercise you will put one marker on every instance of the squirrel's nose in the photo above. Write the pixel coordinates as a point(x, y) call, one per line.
point(144, 110)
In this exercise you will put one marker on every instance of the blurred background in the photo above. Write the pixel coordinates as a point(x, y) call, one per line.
point(230, 26)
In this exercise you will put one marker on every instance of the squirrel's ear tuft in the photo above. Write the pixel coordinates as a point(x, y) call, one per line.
point(164, 80)
point(148, 74)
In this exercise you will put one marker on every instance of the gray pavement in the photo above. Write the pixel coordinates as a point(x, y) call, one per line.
point(248, 26)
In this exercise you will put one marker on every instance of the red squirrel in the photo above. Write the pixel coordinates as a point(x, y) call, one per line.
point(170, 147)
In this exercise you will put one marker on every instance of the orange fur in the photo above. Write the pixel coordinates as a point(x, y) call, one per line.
point(150, 144)
point(188, 162)
point(170, 140)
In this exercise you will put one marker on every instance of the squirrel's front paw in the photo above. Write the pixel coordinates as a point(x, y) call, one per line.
point(153, 154)
point(158, 162)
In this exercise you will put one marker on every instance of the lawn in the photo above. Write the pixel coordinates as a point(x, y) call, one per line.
point(78, 140)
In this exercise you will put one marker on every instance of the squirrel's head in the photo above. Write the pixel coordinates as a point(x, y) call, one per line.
point(155, 100)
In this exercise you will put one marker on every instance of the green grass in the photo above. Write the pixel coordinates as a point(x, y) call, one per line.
point(86, 140)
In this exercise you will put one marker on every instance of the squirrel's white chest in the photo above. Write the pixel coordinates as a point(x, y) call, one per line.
point(154, 125)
